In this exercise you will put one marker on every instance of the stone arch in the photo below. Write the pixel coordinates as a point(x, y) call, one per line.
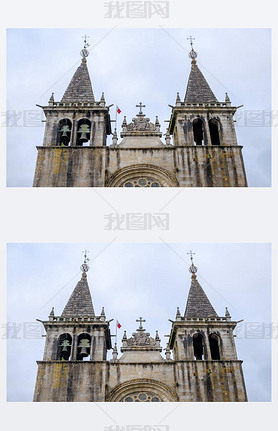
point(198, 346)
point(136, 387)
point(64, 347)
point(83, 346)
point(142, 176)
point(198, 131)
point(215, 131)
point(83, 132)
point(64, 132)
point(214, 344)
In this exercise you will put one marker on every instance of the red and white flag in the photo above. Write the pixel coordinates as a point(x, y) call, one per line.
point(118, 109)
point(118, 325)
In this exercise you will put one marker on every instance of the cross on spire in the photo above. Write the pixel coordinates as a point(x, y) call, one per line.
point(193, 269)
point(141, 321)
point(86, 259)
point(191, 41)
point(140, 105)
point(193, 54)
point(86, 44)
point(191, 255)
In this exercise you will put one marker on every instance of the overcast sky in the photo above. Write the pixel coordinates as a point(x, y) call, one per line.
point(132, 280)
point(133, 65)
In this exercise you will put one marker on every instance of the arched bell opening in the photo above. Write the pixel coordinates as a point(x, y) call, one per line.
point(83, 132)
point(214, 344)
point(198, 346)
point(198, 132)
point(64, 132)
point(64, 347)
point(214, 127)
point(83, 347)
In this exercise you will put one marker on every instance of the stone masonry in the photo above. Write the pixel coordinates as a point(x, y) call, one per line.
point(203, 150)
point(203, 367)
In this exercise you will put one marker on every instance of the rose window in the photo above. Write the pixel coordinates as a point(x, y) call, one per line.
point(141, 182)
point(143, 397)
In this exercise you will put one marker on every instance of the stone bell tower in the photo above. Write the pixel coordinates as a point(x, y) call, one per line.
point(74, 340)
point(204, 134)
point(73, 125)
point(204, 350)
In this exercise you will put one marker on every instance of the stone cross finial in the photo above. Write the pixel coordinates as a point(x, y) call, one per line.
point(140, 105)
point(141, 321)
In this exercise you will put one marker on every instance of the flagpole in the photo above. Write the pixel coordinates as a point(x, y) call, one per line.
point(116, 332)
point(116, 116)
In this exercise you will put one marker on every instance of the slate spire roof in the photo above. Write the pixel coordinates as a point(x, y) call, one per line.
point(80, 303)
point(80, 87)
point(198, 90)
point(198, 304)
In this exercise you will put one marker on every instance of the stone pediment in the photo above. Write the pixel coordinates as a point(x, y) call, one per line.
point(141, 125)
point(141, 340)
point(141, 347)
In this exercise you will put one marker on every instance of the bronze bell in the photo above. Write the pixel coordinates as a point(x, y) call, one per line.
point(65, 344)
point(84, 344)
point(65, 130)
point(84, 130)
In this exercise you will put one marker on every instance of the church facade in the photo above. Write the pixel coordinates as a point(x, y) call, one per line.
point(200, 147)
point(200, 361)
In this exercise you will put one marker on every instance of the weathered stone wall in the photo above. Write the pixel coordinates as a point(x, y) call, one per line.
point(191, 166)
point(93, 381)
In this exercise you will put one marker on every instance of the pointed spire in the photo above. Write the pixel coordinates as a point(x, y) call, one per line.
point(167, 137)
point(227, 99)
point(178, 315)
point(51, 100)
point(115, 353)
point(227, 314)
point(102, 100)
point(80, 303)
point(114, 138)
point(198, 90)
point(51, 314)
point(157, 125)
point(198, 304)
point(102, 315)
point(157, 339)
point(168, 353)
point(178, 100)
point(80, 86)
